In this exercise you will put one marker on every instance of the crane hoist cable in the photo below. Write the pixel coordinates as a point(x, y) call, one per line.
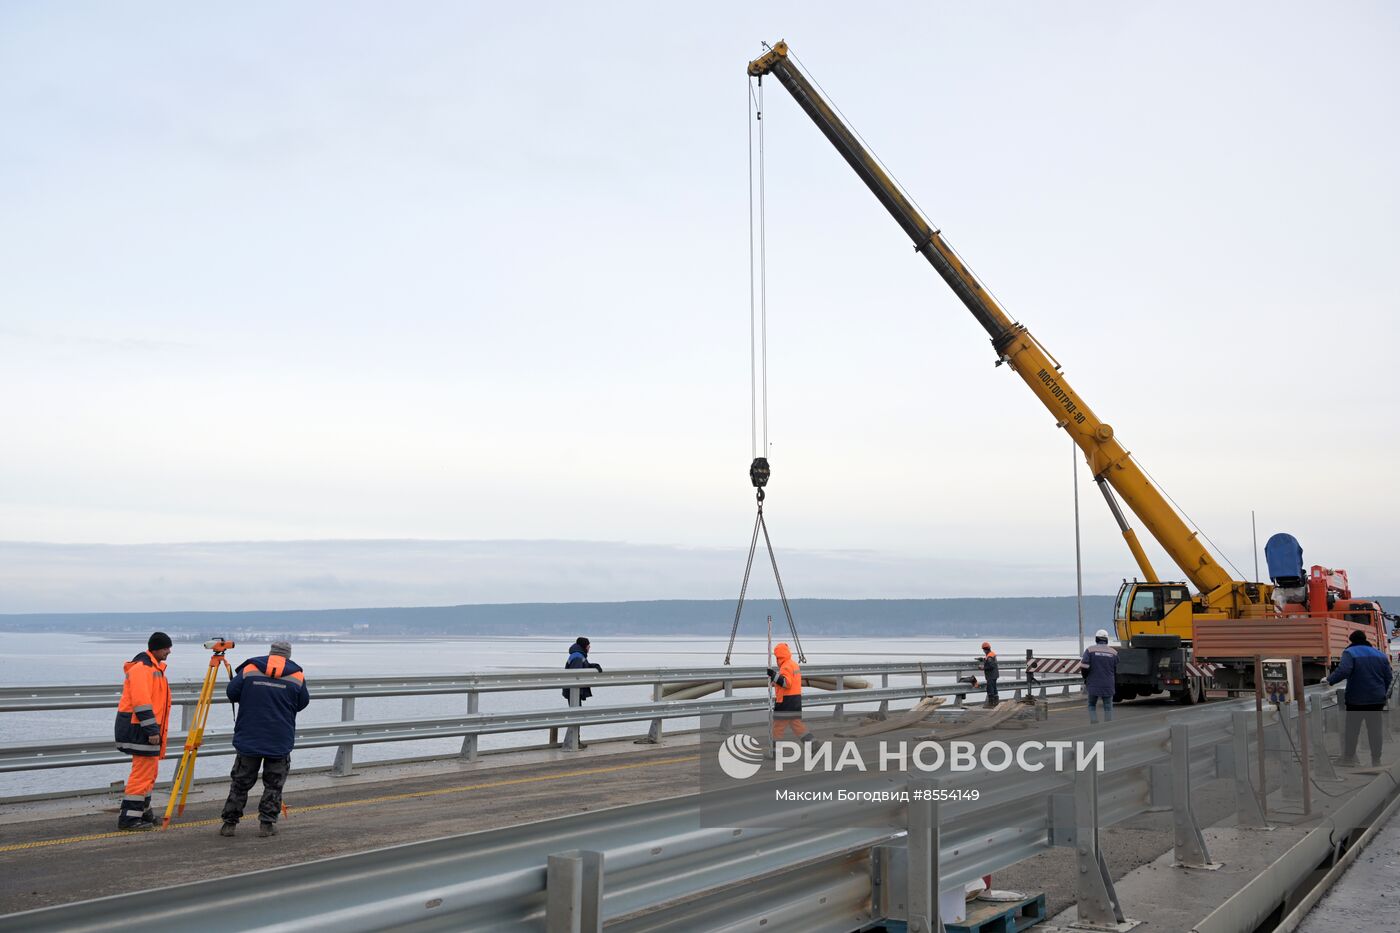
point(759, 471)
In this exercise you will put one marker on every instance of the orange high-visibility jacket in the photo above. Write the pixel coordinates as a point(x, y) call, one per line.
point(787, 686)
point(144, 709)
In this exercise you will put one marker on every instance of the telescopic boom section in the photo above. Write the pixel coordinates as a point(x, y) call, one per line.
point(1015, 346)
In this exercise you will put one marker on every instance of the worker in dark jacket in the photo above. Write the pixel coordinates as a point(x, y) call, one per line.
point(1368, 675)
point(578, 660)
point(990, 673)
point(1099, 665)
point(143, 722)
point(269, 691)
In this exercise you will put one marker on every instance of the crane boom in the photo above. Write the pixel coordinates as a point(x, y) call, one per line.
point(1108, 460)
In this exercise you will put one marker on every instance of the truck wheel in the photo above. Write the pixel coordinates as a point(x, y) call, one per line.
point(1190, 695)
point(1120, 697)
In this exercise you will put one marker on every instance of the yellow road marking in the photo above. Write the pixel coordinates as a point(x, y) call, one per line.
point(367, 801)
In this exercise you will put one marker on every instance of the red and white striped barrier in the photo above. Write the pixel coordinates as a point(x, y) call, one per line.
point(1053, 666)
point(1071, 666)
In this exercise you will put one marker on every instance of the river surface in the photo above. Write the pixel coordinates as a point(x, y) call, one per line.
point(44, 658)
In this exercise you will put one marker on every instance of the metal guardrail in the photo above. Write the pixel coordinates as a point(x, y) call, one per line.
point(349, 732)
point(36, 697)
point(651, 866)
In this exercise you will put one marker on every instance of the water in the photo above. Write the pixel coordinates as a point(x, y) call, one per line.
point(44, 658)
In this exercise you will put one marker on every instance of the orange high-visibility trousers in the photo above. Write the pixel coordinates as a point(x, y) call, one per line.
point(782, 725)
point(143, 775)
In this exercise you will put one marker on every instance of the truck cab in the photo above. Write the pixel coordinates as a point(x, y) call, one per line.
point(1152, 609)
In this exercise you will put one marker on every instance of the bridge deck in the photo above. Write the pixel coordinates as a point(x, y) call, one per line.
point(55, 855)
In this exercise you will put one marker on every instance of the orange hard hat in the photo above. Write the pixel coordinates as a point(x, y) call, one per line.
point(986, 644)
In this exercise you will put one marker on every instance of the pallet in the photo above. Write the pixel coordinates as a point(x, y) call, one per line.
point(1005, 917)
point(986, 917)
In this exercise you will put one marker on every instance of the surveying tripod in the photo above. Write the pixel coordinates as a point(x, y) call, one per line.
point(184, 774)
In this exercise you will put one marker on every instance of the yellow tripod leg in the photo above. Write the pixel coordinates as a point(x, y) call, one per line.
point(184, 774)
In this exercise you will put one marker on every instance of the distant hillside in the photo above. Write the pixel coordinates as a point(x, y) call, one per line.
point(1044, 616)
point(1031, 616)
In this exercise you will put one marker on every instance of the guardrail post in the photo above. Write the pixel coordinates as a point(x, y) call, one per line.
point(469, 741)
point(345, 754)
point(726, 722)
point(1190, 846)
point(571, 737)
point(1284, 750)
point(653, 736)
point(884, 704)
point(1249, 806)
point(923, 858)
point(1318, 739)
point(839, 710)
point(1097, 898)
point(574, 892)
point(1391, 719)
point(186, 716)
point(1341, 711)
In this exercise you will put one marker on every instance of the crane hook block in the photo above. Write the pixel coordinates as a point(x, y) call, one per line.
point(759, 472)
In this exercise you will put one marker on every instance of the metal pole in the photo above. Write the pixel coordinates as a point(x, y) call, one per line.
point(1303, 748)
point(767, 660)
point(1078, 562)
point(1259, 731)
point(1255, 529)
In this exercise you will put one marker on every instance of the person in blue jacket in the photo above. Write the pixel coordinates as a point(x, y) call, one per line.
point(1099, 667)
point(269, 691)
point(1368, 675)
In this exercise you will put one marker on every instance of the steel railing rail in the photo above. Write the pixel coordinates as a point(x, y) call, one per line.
point(38, 697)
point(30, 756)
point(659, 859)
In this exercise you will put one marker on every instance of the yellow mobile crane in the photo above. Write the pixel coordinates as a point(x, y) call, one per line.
point(1155, 619)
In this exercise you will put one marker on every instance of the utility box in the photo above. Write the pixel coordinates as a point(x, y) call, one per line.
point(1278, 684)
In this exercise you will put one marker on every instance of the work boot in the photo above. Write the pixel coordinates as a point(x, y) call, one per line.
point(228, 829)
point(149, 816)
point(135, 826)
point(266, 829)
point(1348, 763)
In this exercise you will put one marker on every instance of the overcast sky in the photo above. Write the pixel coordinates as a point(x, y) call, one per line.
point(478, 272)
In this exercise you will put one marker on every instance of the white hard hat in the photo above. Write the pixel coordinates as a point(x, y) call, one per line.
point(1101, 633)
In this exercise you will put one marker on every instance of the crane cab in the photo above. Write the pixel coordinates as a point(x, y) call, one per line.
point(1152, 609)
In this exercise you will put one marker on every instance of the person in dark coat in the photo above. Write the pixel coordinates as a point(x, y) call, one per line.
point(269, 691)
point(578, 659)
point(1368, 675)
point(1099, 665)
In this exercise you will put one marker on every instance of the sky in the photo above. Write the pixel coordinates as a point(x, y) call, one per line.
point(468, 272)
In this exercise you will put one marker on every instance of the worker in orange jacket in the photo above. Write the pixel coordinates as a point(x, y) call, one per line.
point(787, 695)
point(143, 722)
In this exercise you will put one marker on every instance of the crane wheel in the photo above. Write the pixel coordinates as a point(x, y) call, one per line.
point(1192, 694)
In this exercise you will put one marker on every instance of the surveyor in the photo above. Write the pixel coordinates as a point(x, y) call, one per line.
point(990, 673)
point(269, 691)
point(1367, 672)
point(143, 722)
point(1099, 667)
point(787, 695)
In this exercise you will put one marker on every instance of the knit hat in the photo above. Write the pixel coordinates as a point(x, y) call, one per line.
point(157, 641)
point(281, 649)
point(1358, 637)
